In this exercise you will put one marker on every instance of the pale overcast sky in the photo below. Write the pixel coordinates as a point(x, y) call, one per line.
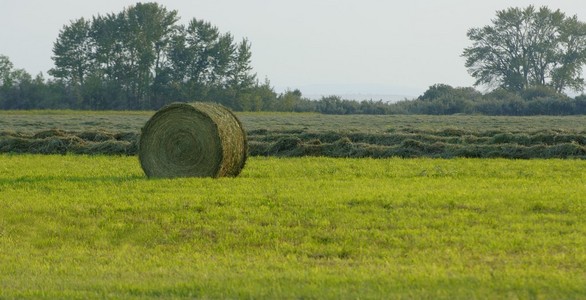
point(319, 46)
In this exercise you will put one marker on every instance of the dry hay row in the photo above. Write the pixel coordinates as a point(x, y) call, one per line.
point(57, 141)
point(405, 143)
point(412, 148)
point(408, 144)
point(550, 137)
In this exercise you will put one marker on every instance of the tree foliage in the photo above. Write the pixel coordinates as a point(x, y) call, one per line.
point(5, 71)
point(528, 47)
point(142, 58)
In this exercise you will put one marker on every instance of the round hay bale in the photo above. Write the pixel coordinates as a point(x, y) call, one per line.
point(192, 140)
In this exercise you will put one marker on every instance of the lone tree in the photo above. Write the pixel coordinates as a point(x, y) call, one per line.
point(526, 48)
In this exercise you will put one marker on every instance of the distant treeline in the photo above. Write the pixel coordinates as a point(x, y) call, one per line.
point(142, 58)
point(19, 90)
point(441, 99)
point(26, 92)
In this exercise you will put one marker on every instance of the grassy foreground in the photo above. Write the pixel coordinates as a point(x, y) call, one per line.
point(95, 227)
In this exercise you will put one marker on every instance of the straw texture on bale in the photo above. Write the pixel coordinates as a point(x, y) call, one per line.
point(193, 140)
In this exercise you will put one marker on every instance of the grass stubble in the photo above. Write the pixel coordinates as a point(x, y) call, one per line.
point(95, 227)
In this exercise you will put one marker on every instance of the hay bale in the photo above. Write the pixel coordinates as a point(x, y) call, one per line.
point(192, 140)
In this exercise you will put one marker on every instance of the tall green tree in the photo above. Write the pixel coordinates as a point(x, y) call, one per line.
point(240, 72)
point(528, 47)
point(72, 54)
point(198, 55)
point(18, 90)
point(5, 81)
point(141, 58)
point(121, 52)
point(5, 71)
point(203, 61)
point(130, 50)
point(147, 31)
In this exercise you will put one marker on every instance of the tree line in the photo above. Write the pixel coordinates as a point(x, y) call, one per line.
point(143, 58)
point(442, 99)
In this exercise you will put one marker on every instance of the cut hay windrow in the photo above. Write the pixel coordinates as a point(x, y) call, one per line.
point(406, 143)
point(55, 141)
point(193, 140)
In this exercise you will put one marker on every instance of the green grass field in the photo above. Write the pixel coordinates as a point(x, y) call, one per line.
point(294, 228)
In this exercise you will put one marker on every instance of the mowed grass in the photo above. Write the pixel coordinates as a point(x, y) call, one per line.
point(95, 227)
point(31, 121)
